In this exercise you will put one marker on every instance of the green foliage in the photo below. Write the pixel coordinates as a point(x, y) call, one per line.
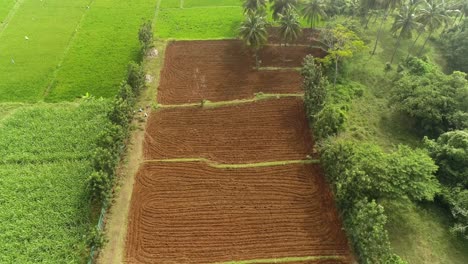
point(145, 35)
point(366, 228)
point(120, 113)
point(359, 171)
point(99, 184)
point(135, 77)
point(329, 121)
point(455, 47)
point(436, 101)
point(314, 11)
point(290, 27)
point(450, 152)
point(457, 198)
point(253, 32)
point(280, 7)
point(44, 206)
point(96, 238)
point(315, 87)
point(254, 5)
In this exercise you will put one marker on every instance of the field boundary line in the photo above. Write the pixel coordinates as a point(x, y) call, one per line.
point(67, 49)
point(10, 16)
point(218, 165)
point(203, 7)
point(208, 104)
point(283, 260)
point(156, 13)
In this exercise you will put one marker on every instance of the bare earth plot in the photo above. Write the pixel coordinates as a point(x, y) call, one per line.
point(269, 130)
point(219, 71)
point(189, 212)
point(230, 182)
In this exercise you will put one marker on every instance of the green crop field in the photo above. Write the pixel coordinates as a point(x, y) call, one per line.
point(57, 50)
point(45, 152)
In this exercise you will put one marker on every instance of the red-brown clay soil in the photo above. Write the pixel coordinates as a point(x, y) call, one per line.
point(287, 56)
point(190, 212)
point(268, 130)
point(224, 70)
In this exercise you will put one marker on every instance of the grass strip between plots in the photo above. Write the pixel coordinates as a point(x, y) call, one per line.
point(209, 104)
point(282, 260)
point(238, 166)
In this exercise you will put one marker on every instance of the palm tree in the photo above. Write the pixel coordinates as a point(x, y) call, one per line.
point(254, 5)
point(290, 27)
point(421, 29)
point(405, 22)
point(280, 6)
point(433, 15)
point(365, 7)
point(389, 6)
point(314, 12)
point(253, 32)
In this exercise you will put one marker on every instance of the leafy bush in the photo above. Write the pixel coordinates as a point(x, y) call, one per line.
point(437, 102)
point(358, 171)
point(315, 87)
point(136, 77)
point(455, 47)
point(329, 121)
point(145, 35)
point(99, 184)
point(450, 152)
point(366, 228)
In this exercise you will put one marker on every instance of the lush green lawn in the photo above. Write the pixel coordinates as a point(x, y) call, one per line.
point(27, 65)
point(44, 162)
point(106, 41)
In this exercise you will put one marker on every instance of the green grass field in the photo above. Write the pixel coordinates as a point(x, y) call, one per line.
point(5, 7)
point(106, 41)
point(44, 210)
point(56, 50)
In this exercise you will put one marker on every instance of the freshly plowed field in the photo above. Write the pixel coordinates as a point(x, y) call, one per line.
point(224, 70)
point(269, 130)
point(190, 212)
point(287, 56)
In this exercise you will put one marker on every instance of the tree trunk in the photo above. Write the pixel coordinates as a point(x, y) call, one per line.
point(414, 43)
point(379, 32)
point(257, 63)
point(425, 42)
point(367, 22)
point(396, 47)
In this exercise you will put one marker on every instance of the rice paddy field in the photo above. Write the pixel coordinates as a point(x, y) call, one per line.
point(44, 207)
point(56, 50)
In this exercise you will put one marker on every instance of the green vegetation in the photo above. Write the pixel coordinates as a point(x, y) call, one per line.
point(199, 23)
point(58, 50)
point(44, 209)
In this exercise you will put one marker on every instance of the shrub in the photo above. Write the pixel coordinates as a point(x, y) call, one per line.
point(329, 121)
point(136, 77)
point(105, 160)
point(315, 87)
point(145, 35)
point(99, 184)
point(366, 228)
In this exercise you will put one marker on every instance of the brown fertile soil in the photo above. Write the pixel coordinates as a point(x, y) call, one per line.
point(268, 130)
point(287, 56)
point(225, 70)
point(190, 212)
point(308, 36)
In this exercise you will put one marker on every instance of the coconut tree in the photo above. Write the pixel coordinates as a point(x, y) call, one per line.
point(314, 11)
point(290, 27)
point(433, 14)
point(405, 23)
point(253, 32)
point(389, 6)
point(421, 29)
point(280, 6)
point(254, 5)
